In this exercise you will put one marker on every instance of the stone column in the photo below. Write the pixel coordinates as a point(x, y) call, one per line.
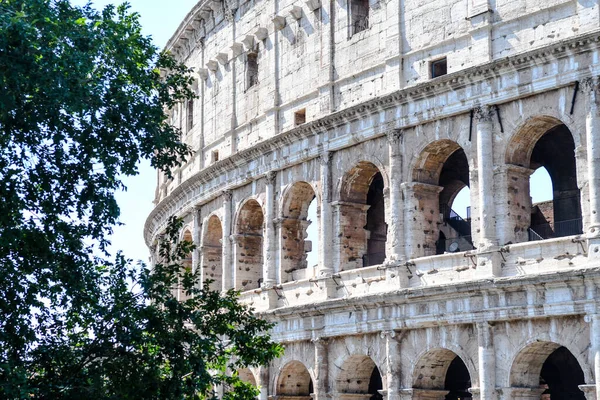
point(421, 227)
point(592, 131)
point(487, 361)
point(513, 203)
point(197, 237)
point(326, 256)
point(594, 321)
point(392, 364)
point(395, 236)
point(485, 167)
point(321, 387)
point(228, 264)
point(270, 244)
point(263, 382)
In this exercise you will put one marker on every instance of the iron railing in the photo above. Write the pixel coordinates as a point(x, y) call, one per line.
point(561, 228)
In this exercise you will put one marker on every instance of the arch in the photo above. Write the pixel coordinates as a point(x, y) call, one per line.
point(248, 255)
point(212, 253)
point(542, 363)
point(247, 376)
point(294, 380)
point(360, 375)
point(294, 244)
point(443, 370)
point(544, 141)
point(440, 172)
point(361, 217)
point(187, 265)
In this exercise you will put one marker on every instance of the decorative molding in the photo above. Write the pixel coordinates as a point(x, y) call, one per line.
point(227, 195)
point(237, 49)
point(313, 5)
point(271, 177)
point(483, 113)
point(223, 58)
point(212, 65)
point(325, 158)
point(261, 33)
point(296, 12)
point(248, 41)
point(279, 22)
point(173, 203)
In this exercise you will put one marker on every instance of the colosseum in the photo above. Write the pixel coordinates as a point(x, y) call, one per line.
point(331, 141)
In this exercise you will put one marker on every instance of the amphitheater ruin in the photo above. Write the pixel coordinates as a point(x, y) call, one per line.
point(375, 114)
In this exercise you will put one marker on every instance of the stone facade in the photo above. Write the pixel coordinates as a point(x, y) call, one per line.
point(381, 111)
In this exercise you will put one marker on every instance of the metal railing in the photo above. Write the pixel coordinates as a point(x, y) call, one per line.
point(561, 228)
point(373, 259)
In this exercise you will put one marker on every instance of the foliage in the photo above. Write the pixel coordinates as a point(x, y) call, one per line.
point(81, 101)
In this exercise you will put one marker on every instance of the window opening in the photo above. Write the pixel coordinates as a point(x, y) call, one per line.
point(215, 156)
point(558, 214)
point(251, 70)
point(300, 117)
point(439, 68)
point(359, 16)
point(458, 380)
point(454, 204)
point(376, 226)
point(190, 114)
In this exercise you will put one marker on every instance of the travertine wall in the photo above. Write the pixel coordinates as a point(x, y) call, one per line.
point(387, 312)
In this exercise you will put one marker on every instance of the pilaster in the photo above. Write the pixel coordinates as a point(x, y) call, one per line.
point(228, 265)
point(392, 364)
point(321, 387)
point(487, 361)
point(326, 256)
point(270, 245)
point(395, 236)
point(485, 166)
point(197, 238)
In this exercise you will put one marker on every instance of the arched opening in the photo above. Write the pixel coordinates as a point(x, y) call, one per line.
point(445, 364)
point(312, 234)
point(547, 367)
point(295, 240)
point(361, 217)
point(249, 246)
point(360, 376)
point(212, 253)
point(247, 376)
point(294, 382)
point(547, 143)
point(187, 267)
point(443, 173)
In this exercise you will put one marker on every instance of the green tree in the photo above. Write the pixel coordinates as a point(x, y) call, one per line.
point(81, 101)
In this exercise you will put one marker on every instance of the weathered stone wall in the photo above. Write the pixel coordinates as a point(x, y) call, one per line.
point(383, 151)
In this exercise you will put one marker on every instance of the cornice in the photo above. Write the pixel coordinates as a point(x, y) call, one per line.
point(444, 84)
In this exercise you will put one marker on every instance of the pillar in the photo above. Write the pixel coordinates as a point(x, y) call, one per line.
point(392, 364)
point(326, 265)
point(395, 238)
point(321, 387)
point(228, 265)
point(270, 244)
point(422, 218)
point(197, 238)
point(485, 177)
point(487, 361)
point(263, 382)
point(594, 321)
point(592, 133)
